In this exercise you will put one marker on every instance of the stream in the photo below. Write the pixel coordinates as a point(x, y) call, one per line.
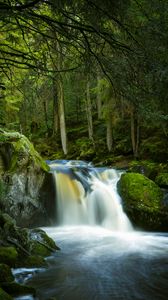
point(102, 257)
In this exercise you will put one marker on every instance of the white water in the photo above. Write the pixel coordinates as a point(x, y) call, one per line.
point(86, 195)
point(101, 256)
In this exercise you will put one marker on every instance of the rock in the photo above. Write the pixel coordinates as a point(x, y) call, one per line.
point(142, 200)
point(16, 289)
point(33, 261)
point(4, 295)
point(8, 255)
point(25, 184)
point(5, 274)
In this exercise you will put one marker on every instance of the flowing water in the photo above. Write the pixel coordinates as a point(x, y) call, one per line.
point(101, 256)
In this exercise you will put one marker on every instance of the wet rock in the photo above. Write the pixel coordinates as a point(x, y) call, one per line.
point(8, 255)
point(16, 289)
point(4, 295)
point(25, 183)
point(142, 200)
point(5, 274)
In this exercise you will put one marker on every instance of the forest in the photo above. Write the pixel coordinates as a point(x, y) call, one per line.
point(83, 149)
point(86, 79)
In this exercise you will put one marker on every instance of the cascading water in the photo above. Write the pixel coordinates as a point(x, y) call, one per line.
point(101, 256)
point(88, 195)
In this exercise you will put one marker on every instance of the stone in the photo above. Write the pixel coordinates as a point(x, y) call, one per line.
point(142, 200)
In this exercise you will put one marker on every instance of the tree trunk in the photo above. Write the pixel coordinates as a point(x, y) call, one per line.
point(55, 109)
point(99, 102)
point(89, 111)
point(134, 132)
point(61, 112)
point(59, 95)
point(109, 130)
point(45, 115)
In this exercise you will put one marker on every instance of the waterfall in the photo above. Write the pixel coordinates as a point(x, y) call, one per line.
point(88, 195)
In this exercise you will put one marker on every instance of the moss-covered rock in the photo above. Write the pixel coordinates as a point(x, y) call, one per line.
point(16, 289)
point(5, 274)
point(162, 179)
point(23, 181)
point(23, 152)
point(142, 200)
point(8, 255)
point(33, 261)
point(38, 234)
point(4, 295)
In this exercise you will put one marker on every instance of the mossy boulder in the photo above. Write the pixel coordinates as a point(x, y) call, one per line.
point(24, 181)
point(8, 255)
point(33, 261)
point(41, 243)
point(22, 150)
point(16, 289)
point(4, 295)
point(142, 200)
point(5, 274)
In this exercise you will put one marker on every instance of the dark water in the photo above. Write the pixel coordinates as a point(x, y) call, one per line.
point(95, 264)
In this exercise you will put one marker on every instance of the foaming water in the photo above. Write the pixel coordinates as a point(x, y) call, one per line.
point(101, 256)
point(88, 195)
point(96, 263)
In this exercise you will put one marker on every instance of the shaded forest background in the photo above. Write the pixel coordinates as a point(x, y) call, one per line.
point(86, 79)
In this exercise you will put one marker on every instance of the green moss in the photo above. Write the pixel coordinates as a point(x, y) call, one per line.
point(162, 179)
point(8, 255)
point(38, 249)
point(142, 199)
point(5, 274)
point(33, 261)
point(140, 191)
point(23, 150)
point(4, 295)
point(3, 189)
point(16, 289)
point(145, 167)
point(43, 237)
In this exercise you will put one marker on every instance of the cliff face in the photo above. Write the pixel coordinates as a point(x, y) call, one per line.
point(26, 188)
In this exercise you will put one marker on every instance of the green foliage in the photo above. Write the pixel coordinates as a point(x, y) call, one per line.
point(162, 179)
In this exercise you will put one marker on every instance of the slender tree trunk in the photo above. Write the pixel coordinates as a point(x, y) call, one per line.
point(61, 111)
point(59, 96)
point(89, 111)
point(99, 102)
point(109, 130)
point(135, 130)
point(55, 109)
point(45, 115)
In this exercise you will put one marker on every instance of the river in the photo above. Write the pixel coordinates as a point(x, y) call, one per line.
point(102, 257)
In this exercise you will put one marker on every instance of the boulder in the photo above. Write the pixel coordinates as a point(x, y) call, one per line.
point(4, 295)
point(142, 200)
point(8, 255)
point(25, 183)
point(5, 274)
